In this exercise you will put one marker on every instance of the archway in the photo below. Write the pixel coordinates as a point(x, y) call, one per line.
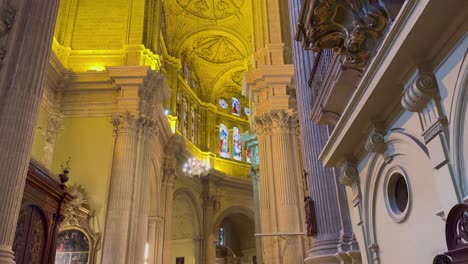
point(235, 238)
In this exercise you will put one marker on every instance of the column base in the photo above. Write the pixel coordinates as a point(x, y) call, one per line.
point(349, 257)
point(7, 256)
point(323, 259)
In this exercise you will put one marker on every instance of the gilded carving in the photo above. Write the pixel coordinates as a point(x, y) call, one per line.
point(350, 27)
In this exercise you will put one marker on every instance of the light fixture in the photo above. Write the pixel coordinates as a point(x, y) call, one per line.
point(196, 168)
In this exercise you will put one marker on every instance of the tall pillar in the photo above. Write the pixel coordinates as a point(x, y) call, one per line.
point(142, 208)
point(334, 232)
point(26, 39)
point(120, 189)
point(284, 193)
point(168, 188)
point(152, 238)
point(209, 248)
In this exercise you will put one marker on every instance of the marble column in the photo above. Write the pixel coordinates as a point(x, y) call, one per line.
point(254, 172)
point(25, 45)
point(335, 235)
point(120, 190)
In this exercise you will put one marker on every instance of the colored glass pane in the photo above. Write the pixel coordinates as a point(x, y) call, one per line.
point(223, 141)
point(237, 144)
point(236, 107)
point(223, 103)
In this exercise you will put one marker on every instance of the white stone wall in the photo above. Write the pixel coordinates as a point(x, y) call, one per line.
point(420, 235)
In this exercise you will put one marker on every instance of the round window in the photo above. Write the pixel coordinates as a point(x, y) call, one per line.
point(397, 196)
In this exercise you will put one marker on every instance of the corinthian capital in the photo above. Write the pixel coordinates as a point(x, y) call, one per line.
point(150, 130)
point(124, 123)
point(284, 120)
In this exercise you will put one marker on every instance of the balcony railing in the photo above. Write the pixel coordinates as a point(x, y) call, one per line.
point(322, 64)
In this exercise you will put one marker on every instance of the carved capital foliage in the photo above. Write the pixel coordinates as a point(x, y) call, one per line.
point(418, 94)
point(149, 129)
point(125, 123)
point(258, 127)
point(283, 120)
point(350, 27)
point(7, 18)
point(169, 169)
point(349, 174)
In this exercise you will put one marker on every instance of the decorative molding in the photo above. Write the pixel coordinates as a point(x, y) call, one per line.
point(124, 123)
point(7, 18)
point(283, 120)
point(418, 94)
point(349, 174)
point(434, 130)
point(352, 28)
point(376, 140)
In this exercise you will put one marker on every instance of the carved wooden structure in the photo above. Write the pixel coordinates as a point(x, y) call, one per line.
point(40, 217)
point(456, 235)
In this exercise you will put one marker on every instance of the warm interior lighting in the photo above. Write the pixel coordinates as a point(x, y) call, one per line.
point(97, 67)
point(196, 168)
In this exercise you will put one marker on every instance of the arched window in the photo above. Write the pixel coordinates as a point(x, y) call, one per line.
point(237, 144)
point(194, 125)
point(185, 109)
point(236, 107)
point(223, 141)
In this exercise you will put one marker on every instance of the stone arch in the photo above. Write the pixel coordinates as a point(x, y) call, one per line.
point(400, 143)
point(188, 194)
point(459, 124)
point(233, 210)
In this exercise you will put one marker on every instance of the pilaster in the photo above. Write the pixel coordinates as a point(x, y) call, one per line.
point(26, 30)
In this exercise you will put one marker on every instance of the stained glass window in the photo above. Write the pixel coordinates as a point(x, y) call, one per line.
point(194, 124)
point(221, 237)
point(236, 107)
point(247, 110)
point(223, 103)
point(237, 144)
point(185, 128)
point(224, 141)
point(247, 156)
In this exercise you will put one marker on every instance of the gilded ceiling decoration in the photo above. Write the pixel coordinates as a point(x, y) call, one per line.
point(211, 9)
point(217, 49)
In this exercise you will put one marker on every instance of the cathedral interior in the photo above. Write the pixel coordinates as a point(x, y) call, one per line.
point(233, 131)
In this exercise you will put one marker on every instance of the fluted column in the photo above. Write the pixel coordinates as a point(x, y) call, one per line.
point(168, 188)
point(334, 232)
point(120, 189)
point(152, 238)
point(288, 195)
point(25, 41)
point(148, 134)
point(255, 183)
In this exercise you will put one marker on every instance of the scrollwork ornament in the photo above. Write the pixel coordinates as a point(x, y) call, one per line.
point(418, 94)
point(349, 174)
point(376, 142)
